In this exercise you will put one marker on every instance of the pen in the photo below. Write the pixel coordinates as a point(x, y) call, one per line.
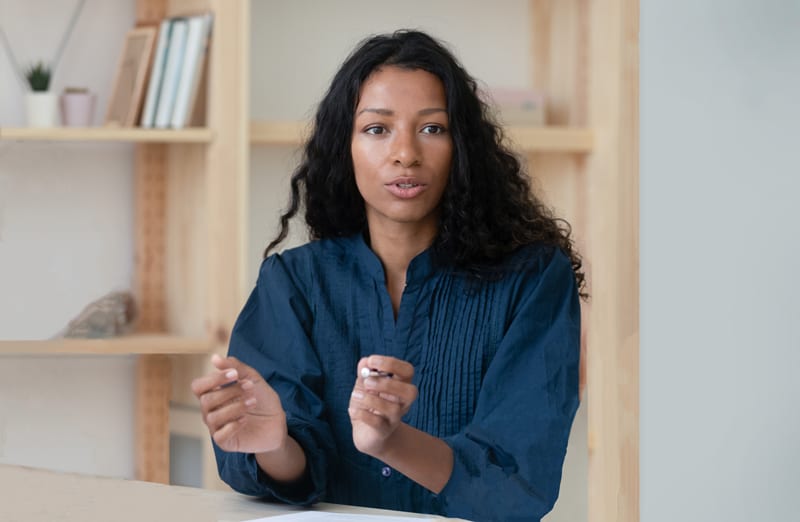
point(367, 372)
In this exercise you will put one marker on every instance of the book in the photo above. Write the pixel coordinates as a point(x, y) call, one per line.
point(197, 118)
point(195, 55)
point(172, 72)
point(156, 75)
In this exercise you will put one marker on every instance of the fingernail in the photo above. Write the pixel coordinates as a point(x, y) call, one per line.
point(250, 401)
point(230, 374)
point(370, 382)
point(357, 394)
point(246, 385)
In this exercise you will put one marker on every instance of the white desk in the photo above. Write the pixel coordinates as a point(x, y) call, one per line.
point(33, 495)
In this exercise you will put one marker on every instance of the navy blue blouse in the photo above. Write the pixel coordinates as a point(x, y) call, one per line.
point(496, 365)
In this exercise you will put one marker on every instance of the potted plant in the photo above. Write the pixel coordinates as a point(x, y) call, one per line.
point(42, 105)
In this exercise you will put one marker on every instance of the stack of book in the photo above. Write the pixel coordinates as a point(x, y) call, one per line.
point(174, 92)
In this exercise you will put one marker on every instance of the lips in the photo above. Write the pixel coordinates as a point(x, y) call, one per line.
point(405, 188)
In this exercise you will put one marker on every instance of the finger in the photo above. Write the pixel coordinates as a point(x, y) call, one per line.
point(402, 392)
point(399, 369)
point(372, 419)
point(389, 397)
point(230, 412)
point(364, 370)
point(377, 405)
point(213, 380)
point(218, 397)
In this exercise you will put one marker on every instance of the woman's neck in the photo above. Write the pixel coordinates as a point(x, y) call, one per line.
point(396, 247)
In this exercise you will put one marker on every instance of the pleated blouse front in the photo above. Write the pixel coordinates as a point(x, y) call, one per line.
point(496, 365)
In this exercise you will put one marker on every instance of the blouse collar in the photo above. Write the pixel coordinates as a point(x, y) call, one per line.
point(418, 271)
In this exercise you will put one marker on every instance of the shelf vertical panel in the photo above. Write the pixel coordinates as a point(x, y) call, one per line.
point(227, 180)
point(152, 418)
point(152, 380)
point(150, 190)
point(613, 332)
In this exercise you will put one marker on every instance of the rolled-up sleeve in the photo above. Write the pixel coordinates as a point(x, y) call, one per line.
point(271, 334)
point(508, 459)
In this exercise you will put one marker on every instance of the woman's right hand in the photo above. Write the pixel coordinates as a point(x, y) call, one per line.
point(242, 412)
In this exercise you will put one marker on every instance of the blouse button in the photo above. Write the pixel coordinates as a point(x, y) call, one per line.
point(386, 471)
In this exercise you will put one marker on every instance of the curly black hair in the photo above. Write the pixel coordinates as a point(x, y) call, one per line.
point(487, 210)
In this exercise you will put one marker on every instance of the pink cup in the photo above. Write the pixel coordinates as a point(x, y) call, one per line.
point(77, 109)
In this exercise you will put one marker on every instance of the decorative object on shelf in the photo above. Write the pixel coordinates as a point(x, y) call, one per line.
point(41, 104)
point(110, 316)
point(517, 106)
point(125, 102)
point(77, 107)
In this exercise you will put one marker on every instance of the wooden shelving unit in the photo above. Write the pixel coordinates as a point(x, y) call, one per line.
point(189, 233)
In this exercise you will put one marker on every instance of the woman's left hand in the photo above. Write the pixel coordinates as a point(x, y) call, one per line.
point(378, 403)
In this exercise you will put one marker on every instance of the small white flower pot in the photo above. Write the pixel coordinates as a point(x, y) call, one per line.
point(42, 109)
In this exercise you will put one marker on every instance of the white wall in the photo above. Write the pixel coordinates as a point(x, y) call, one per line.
point(720, 348)
point(65, 240)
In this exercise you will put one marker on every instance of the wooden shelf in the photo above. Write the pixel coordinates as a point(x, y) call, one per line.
point(529, 139)
point(552, 139)
point(278, 132)
point(128, 345)
point(116, 134)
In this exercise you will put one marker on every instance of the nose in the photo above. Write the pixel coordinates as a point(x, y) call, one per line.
point(405, 149)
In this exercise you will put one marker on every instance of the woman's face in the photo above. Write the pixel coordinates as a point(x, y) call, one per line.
point(401, 147)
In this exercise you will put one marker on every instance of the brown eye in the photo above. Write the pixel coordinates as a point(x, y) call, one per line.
point(433, 129)
point(375, 130)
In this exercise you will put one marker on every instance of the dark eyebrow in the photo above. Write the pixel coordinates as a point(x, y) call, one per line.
point(388, 112)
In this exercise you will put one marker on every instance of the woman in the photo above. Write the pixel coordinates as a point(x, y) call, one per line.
point(421, 353)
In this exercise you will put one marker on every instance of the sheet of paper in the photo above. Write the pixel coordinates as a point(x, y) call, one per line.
point(319, 516)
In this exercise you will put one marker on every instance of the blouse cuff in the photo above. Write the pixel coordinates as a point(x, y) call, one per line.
point(307, 490)
point(465, 480)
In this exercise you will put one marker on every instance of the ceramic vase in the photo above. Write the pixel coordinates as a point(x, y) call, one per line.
point(42, 109)
point(77, 109)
